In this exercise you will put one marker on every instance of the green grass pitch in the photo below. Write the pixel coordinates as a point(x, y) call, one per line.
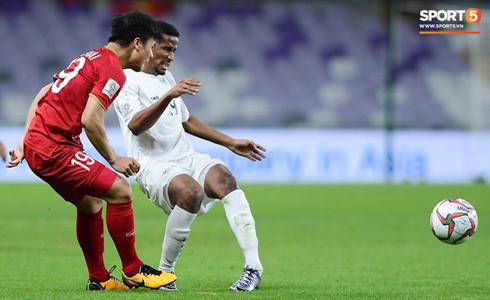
point(316, 241)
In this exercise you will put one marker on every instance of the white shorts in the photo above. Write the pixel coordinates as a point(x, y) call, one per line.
point(155, 179)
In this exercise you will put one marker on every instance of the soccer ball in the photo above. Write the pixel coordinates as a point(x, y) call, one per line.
point(454, 221)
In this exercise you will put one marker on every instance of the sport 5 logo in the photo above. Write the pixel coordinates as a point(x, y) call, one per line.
point(471, 15)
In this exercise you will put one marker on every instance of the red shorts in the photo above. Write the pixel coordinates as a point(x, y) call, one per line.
point(71, 172)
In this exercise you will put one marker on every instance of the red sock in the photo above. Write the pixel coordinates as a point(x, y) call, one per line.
point(90, 234)
point(120, 223)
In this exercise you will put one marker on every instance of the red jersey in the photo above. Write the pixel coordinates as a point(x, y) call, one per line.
point(59, 114)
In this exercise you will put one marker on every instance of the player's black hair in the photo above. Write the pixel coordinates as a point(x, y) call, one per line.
point(167, 29)
point(128, 26)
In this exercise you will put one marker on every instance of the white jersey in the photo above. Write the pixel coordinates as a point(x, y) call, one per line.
point(165, 140)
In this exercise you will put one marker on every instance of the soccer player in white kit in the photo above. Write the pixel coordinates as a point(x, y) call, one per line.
point(154, 121)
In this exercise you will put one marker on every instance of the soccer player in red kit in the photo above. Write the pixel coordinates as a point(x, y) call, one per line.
point(78, 98)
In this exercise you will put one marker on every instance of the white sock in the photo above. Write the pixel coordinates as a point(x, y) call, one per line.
point(176, 233)
point(243, 225)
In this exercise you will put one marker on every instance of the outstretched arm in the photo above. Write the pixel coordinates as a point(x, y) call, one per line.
point(93, 122)
point(17, 155)
point(146, 118)
point(242, 147)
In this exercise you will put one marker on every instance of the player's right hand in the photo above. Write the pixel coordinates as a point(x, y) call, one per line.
point(185, 86)
point(16, 156)
point(126, 165)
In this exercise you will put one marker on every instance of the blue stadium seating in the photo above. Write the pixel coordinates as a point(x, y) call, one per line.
point(271, 63)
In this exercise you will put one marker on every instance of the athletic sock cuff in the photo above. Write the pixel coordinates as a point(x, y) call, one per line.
point(184, 213)
point(233, 194)
point(89, 216)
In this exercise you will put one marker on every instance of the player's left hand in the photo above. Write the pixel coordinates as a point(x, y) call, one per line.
point(16, 156)
point(248, 149)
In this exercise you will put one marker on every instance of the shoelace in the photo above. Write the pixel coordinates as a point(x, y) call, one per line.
point(147, 270)
point(248, 276)
point(112, 269)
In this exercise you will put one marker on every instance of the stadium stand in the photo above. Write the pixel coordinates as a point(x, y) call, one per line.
point(270, 63)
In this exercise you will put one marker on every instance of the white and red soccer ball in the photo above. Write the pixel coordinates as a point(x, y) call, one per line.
point(454, 221)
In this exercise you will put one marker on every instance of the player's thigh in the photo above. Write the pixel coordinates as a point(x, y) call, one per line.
point(185, 192)
point(201, 165)
point(219, 182)
point(154, 181)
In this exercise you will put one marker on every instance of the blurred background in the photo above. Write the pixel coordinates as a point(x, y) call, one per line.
point(325, 69)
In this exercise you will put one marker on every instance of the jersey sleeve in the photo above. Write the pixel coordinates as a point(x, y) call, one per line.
point(108, 84)
point(127, 104)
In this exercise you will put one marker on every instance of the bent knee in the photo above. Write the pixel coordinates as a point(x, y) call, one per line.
point(190, 199)
point(126, 195)
point(89, 205)
point(226, 184)
point(120, 191)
